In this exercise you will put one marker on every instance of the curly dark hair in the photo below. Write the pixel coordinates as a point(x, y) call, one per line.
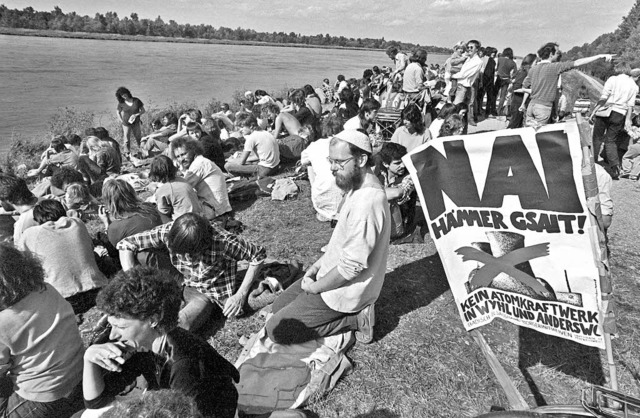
point(143, 293)
point(20, 274)
point(48, 210)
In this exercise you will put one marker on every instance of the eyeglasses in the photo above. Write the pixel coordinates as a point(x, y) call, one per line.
point(471, 47)
point(339, 163)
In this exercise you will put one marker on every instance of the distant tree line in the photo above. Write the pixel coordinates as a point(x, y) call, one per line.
point(110, 22)
point(624, 42)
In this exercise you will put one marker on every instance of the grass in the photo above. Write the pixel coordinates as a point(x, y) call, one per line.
point(422, 362)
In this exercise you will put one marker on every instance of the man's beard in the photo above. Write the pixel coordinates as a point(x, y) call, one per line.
point(349, 182)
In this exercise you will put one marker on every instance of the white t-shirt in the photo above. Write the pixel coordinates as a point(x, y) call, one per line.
point(209, 182)
point(264, 146)
point(325, 194)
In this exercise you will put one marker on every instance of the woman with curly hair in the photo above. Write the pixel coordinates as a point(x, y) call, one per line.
point(413, 131)
point(40, 346)
point(129, 111)
point(142, 308)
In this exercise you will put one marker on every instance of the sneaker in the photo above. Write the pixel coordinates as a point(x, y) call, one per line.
point(625, 175)
point(634, 178)
point(366, 321)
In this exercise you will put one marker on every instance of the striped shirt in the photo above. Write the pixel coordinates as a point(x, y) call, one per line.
point(212, 273)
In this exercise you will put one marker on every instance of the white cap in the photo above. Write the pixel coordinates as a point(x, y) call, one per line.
point(356, 138)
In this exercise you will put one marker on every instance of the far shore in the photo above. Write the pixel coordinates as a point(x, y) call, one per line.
point(140, 38)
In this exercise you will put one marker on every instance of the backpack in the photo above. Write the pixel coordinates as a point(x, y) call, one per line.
point(275, 376)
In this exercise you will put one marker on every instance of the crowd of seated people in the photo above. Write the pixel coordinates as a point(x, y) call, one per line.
point(132, 265)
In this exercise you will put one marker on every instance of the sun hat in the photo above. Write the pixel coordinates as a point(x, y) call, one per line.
point(356, 138)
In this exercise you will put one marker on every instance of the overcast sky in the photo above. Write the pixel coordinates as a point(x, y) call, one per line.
point(523, 25)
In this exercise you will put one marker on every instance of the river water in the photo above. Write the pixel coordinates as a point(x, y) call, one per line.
point(40, 75)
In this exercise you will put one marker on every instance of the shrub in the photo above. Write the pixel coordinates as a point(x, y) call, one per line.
point(69, 121)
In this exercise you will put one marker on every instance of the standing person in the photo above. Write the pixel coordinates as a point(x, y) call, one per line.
point(468, 74)
point(204, 176)
point(505, 70)
point(617, 98)
point(129, 111)
point(400, 61)
point(414, 77)
point(516, 113)
point(142, 305)
point(207, 256)
point(338, 292)
point(542, 79)
point(488, 84)
point(40, 345)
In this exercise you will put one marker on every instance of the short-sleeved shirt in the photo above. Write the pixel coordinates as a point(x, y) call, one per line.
point(125, 111)
point(66, 158)
point(410, 140)
point(265, 147)
point(209, 183)
point(620, 92)
point(413, 78)
point(212, 273)
point(177, 197)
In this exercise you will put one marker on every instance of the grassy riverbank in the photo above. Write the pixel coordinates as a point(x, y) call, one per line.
point(138, 38)
point(422, 362)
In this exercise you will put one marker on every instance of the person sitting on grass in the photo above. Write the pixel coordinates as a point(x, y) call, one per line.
point(64, 246)
point(292, 145)
point(123, 215)
point(204, 176)
point(142, 305)
point(104, 136)
point(57, 156)
point(447, 110)
point(325, 194)
point(175, 196)
point(413, 132)
point(452, 125)
point(191, 115)
point(207, 256)
point(165, 403)
point(338, 291)
point(261, 155)
point(40, 345)
point(79, 203)
point(210, 142)
point(104, 155)
point(366, 115)
point(399, 188)
point(158, 141)
point(15, 195)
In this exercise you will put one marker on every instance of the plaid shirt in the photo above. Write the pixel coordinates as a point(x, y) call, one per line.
point(212, 273)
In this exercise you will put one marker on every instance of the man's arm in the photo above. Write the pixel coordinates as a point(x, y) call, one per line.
point(332, 280)
point(128, 247)
point(468, 69)
point(588, 60)
point(234, 304)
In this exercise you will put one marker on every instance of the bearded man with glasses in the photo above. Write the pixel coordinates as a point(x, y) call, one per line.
point(338, 291)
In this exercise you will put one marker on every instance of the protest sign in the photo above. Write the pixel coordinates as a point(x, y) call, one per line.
point(508, 214)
